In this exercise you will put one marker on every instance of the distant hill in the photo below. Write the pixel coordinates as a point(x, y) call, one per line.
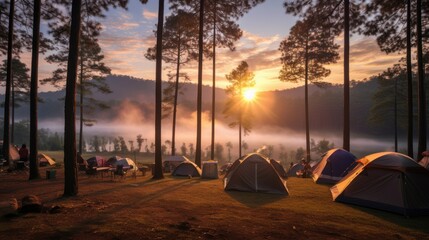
point(281, 108)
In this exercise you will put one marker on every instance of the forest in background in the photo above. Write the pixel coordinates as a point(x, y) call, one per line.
point(282, 109)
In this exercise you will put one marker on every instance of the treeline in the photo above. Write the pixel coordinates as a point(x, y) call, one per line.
point(48, 140)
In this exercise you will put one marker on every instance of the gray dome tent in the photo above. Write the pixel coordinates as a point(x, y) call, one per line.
point(387, 181)
point(187, 168)
point(254, 173)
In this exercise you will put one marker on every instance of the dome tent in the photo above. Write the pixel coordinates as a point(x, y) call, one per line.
point(333, 166)
point(254, 173)
point(187, 168)
point(387, 181)
point(127, 163)
point(44, 160)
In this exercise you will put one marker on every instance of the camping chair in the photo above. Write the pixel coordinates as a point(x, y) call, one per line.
point(119, 172)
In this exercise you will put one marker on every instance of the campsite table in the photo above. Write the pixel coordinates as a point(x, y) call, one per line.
point(102, 170)
point(112, 170)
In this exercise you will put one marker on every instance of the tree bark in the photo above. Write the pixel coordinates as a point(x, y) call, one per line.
point(6, 128)
point(421, 85)
point(158, 94)
point(346, 133)
point(81, 108)
point(34, 163)
point(239, 121)
point(307, 117)
point(212, 155)
point(176, 94)
point(395, 118)
point(200, 84)
point(410, 147)
point(12, 108)
point(70, 169)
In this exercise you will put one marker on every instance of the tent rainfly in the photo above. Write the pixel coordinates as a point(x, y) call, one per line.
point(279, 168)
point(44, 160)
point(333, 166)
point(187, 169)
point(169, 163)
point(387, 181)
point(254, 173)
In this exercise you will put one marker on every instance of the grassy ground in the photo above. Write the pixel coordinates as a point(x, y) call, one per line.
point(182, 208)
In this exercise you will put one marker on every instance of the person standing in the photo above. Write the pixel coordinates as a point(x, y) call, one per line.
point(23, 153)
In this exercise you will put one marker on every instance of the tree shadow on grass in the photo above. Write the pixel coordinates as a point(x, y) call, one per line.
point(102, 218)
point(419, 223)
point(255, 199)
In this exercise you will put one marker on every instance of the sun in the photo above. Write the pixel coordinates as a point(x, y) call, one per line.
point(249, 94)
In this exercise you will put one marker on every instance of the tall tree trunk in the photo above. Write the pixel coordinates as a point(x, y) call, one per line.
point(346, 133)
point(200, 84)
point(239, 137)
point(239, 120)
point(34, 163)
point(212, 156)
point(176, 94)
point(6, 133)
point(81, 108)
point(421, 85)
point(70, 169)
point(307, 117)
point(158, 94)
point(410, 111)
point(12, 106)
point(395, 118)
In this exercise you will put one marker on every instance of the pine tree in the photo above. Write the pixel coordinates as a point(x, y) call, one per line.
point(179, 45)
point(308, 47)
point(235, 107)
point(91, 68)
point(220, 17)
point(158, 93)
point(338, 17)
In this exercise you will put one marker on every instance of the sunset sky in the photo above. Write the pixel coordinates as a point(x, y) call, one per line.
point(127, 35)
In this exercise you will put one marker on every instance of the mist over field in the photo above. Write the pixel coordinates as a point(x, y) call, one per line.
point(278, 117)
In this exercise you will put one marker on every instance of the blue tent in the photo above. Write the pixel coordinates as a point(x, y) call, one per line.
point(333, 166)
